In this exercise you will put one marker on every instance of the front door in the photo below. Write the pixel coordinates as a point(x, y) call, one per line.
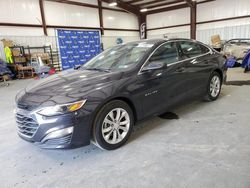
point(162, 87)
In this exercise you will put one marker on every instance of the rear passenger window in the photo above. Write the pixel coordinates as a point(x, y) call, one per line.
point(167, 54)
point(192, 49)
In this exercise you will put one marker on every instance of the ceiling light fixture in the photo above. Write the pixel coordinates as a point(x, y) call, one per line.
point(144, 10)
point(112, 4)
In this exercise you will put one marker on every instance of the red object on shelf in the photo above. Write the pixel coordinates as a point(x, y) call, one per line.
point(52, 71)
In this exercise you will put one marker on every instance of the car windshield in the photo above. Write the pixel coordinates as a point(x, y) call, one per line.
point(119, 58)
point(240, 41)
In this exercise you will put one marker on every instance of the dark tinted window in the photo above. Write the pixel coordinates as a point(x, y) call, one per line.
point(191, 49)
point(167, 54)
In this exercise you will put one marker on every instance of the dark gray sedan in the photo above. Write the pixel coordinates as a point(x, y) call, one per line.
point(104, 98)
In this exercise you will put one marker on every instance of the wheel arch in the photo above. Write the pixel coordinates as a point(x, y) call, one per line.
point(128, 101)
point(121, 98)
point(219, 72)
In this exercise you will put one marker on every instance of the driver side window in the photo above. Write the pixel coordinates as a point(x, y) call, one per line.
point(166, 54)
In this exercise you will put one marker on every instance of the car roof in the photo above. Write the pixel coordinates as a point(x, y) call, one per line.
point(160, 40)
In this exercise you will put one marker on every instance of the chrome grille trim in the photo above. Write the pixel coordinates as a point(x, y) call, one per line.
point(26, 125)
point(59, 141)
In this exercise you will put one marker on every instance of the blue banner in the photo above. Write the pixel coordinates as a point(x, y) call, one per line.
point(77, 47)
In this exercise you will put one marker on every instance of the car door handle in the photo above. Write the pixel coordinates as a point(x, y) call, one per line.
point(206, 62)
point(198, 62)
point(180, 69)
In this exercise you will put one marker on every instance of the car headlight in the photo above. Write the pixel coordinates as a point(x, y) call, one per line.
point(61, 109)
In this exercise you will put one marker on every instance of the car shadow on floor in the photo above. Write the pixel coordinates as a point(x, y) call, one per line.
point(142, 128)
point(151, 123)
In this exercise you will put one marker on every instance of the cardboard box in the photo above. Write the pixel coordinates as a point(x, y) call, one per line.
point(6, 77)
point(15, 52)
point(8, 43)
point(19, 59)
point(44, 56)
point(215, 39)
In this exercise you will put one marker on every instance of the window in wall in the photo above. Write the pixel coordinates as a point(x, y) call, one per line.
point(192, 49)
point(167, 54)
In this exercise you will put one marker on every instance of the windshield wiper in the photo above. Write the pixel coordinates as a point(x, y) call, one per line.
point(98, 69)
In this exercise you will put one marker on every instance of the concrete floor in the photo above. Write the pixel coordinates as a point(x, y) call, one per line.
point(237, 74)
point(209, 146)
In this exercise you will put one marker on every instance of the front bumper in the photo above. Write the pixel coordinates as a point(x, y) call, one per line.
point(62, 131)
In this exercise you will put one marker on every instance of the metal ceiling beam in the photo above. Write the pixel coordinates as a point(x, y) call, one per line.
point(163, 4)
point(168, 8)
point(41, 5)
point(125, 6)
point(205, 1)
point(74, 3)
point(190, 3)
point(83, 4)
point(19, 25)
point(150, 2)
point(133, 1)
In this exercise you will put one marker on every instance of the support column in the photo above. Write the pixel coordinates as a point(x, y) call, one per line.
point(193, 18)
point(142, 26)
point(41, 4)
point(100, 16)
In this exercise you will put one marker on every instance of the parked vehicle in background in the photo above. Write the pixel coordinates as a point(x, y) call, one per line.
point(104, 98)
point(237, 48)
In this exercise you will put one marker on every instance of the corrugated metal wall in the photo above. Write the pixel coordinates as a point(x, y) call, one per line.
point(226, 33)
point(219, 9)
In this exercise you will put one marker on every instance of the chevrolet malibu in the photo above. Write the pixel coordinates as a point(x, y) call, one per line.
point(102, 100)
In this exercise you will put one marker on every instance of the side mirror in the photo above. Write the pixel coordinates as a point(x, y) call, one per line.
point(155, 65)
point(77, 67)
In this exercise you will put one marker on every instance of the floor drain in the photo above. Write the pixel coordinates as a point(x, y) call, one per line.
point(169, 115)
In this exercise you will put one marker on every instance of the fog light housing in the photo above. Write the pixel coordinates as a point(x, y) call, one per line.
point(58, 133)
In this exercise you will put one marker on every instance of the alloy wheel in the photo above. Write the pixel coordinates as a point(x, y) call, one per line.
point(115, 126)
point(215, 86)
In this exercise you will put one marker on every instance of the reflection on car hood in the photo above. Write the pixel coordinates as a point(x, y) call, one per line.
point(67, 86)
point(70, 81)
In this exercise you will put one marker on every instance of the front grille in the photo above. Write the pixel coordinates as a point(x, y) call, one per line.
point(22, 106)
point(26, 125)
point(25, 106)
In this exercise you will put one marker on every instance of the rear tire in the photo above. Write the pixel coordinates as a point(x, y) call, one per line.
point(213, 87)
point(113, 125)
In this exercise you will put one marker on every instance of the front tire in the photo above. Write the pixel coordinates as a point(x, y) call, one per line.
point(213, 87)
point(113, 125)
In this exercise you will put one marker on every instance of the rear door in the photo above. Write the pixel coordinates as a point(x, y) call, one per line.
point(197, 65)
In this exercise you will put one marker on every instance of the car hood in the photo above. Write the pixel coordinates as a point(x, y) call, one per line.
point(70, 80)
point(66, 86)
